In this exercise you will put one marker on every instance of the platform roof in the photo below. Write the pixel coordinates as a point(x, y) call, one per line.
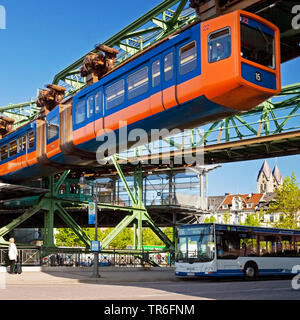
point(10, 192)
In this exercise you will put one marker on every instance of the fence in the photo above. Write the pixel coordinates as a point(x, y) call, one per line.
point(80, 258)
point(30, 257)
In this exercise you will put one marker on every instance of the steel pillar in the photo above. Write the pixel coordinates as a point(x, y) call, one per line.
point(50, 204)
point(137, 213)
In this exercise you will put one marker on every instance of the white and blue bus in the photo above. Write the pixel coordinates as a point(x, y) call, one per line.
point(208, 249)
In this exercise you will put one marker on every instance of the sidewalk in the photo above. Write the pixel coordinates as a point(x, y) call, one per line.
point(64, 275)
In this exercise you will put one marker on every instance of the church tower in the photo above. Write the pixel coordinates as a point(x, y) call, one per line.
point(267, 180)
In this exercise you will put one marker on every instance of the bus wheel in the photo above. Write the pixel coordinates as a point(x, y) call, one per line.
point(250, 271)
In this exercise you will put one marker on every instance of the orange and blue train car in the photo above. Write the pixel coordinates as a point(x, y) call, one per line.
point(204, 72)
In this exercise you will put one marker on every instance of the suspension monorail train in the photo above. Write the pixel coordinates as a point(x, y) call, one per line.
point(206, 71)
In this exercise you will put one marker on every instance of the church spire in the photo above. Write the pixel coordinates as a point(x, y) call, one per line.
point(277, 175)
point(266, 170)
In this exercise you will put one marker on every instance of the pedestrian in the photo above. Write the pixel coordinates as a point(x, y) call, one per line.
point(12, 254)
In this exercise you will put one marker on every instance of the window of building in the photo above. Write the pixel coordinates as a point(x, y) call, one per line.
point(80, 112)
point(138, 83)
point(4, 152)
point(168, 66)
point(31, 140)
point(225, 206)
point(53, 127)
point(249, 205)
point(156, 73)
point(115, 94)
point(98, 102)
point(90, 106)
point(188, 58)
point(219, 45)
point(13, 148)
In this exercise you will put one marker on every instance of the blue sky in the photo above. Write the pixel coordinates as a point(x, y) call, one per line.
point(43, 37)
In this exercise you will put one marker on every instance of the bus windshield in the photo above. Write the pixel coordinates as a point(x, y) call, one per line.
point(257, 46)
point(196, 244)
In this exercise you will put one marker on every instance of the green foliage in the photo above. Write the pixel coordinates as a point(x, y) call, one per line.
point(287, 203)
point(210, 219)
point(66, 237)
point(226, 217)
point(254, 219)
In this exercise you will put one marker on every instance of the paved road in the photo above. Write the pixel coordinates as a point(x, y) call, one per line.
point(139, 285)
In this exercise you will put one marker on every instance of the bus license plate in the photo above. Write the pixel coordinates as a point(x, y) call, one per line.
point(191, 273)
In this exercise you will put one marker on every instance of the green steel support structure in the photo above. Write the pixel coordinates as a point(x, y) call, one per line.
point(49, 204)
point(137, 213)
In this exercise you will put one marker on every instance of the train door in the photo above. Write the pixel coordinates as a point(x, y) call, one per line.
point(156, 95)
point(169, 87)
point(23, 150)
point(90, 117)
point(52, 133)
point(98, 114)
point(31, 146)
point(188, 69)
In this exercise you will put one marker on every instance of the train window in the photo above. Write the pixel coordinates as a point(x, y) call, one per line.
point(168, 66)
point(12, 148)
point(24, 139)
point(53, 128)
point(219, 45)
point(80, 111)
point(188, 58)
point(31, 139)
point(19, 144)
point(98, 102)
point(90, 106)
point(4, 153)
point(138, 83)
point(257, 46)
point(156, 73)
point(115, 94)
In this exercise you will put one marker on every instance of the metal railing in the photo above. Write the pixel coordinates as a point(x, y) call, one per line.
point(29, 257)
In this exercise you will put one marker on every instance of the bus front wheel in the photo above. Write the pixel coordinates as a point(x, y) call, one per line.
point(250, 271)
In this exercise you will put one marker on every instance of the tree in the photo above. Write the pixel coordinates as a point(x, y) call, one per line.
point(254, 219)
point(287, 203)
point(226, 217)
point(66, 237)
point(210, 219)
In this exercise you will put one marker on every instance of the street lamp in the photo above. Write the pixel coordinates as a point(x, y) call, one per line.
point(83, 183)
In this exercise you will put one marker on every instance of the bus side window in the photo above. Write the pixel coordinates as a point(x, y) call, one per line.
point(168, 66)
point(31, 140)
point(4, 153)
point(219, 45)
point(156, 73)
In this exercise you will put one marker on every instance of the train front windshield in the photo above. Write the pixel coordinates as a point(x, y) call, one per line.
point(196, 244)
point(257, 45)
